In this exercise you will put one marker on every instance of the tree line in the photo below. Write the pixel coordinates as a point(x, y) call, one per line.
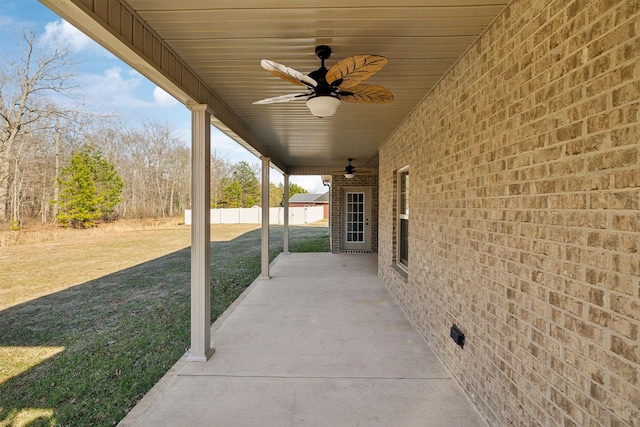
point(43, 130)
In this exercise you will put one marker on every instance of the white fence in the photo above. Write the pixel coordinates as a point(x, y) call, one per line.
point(254, 215)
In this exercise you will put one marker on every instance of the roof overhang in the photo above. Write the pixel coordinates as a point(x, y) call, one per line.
point(205, 52)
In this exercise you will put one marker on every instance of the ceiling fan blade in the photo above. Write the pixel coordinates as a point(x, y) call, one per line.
point(355, 171)
point(284, 98)
point(369, 94)
point(352, 71)
point(287, 73)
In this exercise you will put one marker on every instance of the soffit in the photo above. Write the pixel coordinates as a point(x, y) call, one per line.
point(223, 42)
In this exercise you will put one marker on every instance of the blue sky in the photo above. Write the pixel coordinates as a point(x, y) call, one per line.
point(111, 86)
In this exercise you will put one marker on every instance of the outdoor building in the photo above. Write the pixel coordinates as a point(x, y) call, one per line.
point(303, 200)
point(505, 193)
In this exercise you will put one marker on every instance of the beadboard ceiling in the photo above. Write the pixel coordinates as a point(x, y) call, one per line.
point(223, 41)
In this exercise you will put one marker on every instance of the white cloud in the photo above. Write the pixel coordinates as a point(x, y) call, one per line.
point(6, 21)
point(7, 16)
point(113, 89)
point(163, 99)
point(61, 33)
point(311, 183)
point(229, 149)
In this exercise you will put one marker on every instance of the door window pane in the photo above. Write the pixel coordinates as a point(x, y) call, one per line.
point(355, 218)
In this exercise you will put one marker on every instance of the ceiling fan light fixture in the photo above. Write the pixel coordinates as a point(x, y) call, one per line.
point(349, 175)
point(325, 86)
point(323, 105)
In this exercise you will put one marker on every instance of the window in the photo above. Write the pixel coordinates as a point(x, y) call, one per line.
point(402, 238)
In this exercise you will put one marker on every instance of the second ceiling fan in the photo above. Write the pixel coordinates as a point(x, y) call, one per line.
point(350, 170)
point(326, 88)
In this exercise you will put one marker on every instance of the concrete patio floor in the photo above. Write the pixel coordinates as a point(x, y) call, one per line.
point(319, 344)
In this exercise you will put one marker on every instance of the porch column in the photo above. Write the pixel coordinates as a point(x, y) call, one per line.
point(265, 218)
point(200, 234)
point(285, 247)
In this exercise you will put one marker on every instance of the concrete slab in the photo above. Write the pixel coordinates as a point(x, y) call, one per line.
point(320, 343)
point(238, 401)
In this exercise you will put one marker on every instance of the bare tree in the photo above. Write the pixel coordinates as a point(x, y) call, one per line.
point(180, 180)
point(26, 86)
point(162, 142)
point(221, 172)
point(41, 129)
point(156, 170)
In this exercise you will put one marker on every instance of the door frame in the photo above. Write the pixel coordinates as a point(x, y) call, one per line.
point(366, 245)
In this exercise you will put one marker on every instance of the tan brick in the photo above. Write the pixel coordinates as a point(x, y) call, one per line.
point(615, 323)
point(622, 387)
point(550, 186)
point(610, 280)
point(569, 304)
point(569, 132)
point(626, 115)
point(595, 258)
point(628, 222)
point(627, 263)
point(586, 145)
point(627, 179)
point(626, 306)
point(627, 349)
point(584, 292)
point(567, 201)
point(588, 183)
point(526, 213)
point(625, 136)
point(588, 219)
point(580, 327)
point(559, 103)
point(613, 159)
point(568, 407)
point(620, 200)
point(628, 51)
point(626, 9)
point(618, 35)
point(608, 362)
point(613, 241)
point(628, 93)
point(595, 69)
point(603, 84)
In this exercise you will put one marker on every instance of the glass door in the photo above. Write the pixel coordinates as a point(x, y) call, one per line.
point(356, 219)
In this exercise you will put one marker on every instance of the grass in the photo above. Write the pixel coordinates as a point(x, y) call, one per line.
point(79, 354)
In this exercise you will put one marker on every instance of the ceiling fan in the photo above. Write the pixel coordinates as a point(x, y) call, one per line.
point(327, 88)
point(350, 170)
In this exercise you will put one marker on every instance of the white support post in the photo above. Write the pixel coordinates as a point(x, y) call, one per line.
point(265, 218)
point(200, 234)
point(285, 247)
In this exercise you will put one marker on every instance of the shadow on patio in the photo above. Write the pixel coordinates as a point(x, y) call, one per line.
point(319, 344)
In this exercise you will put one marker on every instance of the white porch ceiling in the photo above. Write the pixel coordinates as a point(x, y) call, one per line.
point(223, 41)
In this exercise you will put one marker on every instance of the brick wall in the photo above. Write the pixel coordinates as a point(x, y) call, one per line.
point(525, 215)
point(338, 182)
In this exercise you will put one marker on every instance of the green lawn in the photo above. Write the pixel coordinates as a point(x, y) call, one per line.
point(83, 354)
